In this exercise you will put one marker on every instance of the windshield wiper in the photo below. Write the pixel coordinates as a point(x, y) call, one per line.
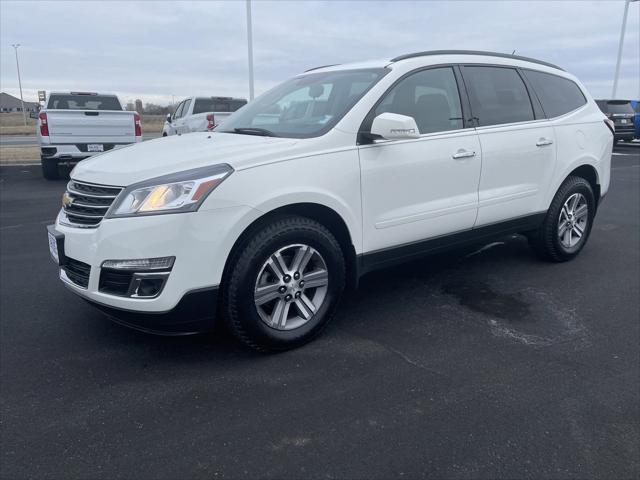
point(262, 132)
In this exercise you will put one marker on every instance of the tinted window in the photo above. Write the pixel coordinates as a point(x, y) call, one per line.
point(615, 106)
point(185, 108)
point(83, 102)
point(305, 106)
point(498, 95)
point(557, 95)
point(178, 111)
point(217, 104)
point(430, 96)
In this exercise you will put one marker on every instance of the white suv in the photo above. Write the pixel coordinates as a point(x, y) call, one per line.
point(334, 173)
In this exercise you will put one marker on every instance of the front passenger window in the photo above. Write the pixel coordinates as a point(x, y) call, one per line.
point(430, 96)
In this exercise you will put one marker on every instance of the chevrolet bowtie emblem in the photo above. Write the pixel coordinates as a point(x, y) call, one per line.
point(67, 200)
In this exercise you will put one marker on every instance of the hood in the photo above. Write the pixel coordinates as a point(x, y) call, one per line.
point(166, 155)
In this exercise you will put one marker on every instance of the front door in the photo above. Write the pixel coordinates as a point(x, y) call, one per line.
point(421, 188)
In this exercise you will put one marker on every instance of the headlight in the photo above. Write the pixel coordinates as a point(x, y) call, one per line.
point(175, 193)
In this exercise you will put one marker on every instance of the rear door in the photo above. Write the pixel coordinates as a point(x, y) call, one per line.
point(421, 188)
point(518, 143)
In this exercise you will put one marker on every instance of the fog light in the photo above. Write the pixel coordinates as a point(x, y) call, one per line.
point(149, 287)
point(141, 264)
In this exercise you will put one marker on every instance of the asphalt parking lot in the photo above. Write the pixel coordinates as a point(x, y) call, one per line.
point(483, 363)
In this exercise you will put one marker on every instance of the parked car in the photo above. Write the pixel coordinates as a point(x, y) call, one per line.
point(76, 125)
point(200, 114)
point(622, 114)
point(337, 172)
point(636, 122)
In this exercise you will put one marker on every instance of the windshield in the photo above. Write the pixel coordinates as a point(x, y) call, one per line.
point(303, 107)
point(83, 102)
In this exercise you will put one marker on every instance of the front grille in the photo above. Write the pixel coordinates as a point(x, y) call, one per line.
point(85, 204)
point(77, 271)
point(115, 282)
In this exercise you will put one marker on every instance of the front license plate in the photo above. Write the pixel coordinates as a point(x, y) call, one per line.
point(95, 147)
point(53, 248)
point(624, 120)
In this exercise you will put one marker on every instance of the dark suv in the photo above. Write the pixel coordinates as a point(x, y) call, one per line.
point(622, 114)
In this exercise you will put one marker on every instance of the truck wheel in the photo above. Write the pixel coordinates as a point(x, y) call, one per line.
point(50, 169)
point(566, 227)
point(284, 284)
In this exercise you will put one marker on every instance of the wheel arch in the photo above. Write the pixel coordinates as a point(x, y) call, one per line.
point(322, 214)
point(590, 174)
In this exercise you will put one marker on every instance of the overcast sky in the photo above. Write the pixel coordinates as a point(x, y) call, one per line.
point(153, 50)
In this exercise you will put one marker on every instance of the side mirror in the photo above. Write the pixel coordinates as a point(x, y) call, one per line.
point(169, 117)
point(33, 114)
point(392, 126)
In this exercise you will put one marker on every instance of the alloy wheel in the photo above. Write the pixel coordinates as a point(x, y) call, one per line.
point(291, 287)
point(573, 220)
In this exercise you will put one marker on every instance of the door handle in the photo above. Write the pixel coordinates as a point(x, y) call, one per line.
point(543, 141)
point(463, 154)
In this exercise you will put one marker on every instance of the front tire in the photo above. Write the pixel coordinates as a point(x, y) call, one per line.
point(50, 169)
point(567, 225)
point(283, 284)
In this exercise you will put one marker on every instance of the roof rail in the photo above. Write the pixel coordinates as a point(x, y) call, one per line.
point(473, 52)
point(321, 66)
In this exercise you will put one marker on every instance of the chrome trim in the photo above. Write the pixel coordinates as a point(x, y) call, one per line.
point(92, 195)
point(137, 278)
point(67, 212)
point(68, 281)
point(80, 204)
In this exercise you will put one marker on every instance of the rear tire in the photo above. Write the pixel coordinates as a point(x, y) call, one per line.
point(568, 222)
point(50, 169)
point(283, 284)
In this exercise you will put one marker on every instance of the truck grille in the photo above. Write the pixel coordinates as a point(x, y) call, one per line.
point(85, 204)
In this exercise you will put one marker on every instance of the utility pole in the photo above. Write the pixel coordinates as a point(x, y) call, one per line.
point(622, 30)
point(24, 114)
point(250, 49)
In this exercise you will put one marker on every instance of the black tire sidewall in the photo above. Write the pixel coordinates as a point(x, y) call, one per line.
point(50, 169)
point(245, 275)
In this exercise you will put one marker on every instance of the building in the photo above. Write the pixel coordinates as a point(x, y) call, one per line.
point(9, 103)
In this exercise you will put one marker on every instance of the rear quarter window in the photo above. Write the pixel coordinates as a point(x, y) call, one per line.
point(558, 95)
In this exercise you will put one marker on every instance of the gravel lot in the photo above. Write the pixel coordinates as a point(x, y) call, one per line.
point(483, 363)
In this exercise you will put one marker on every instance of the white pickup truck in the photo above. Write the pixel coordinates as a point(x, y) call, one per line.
point(200, 114)
point(76, 125)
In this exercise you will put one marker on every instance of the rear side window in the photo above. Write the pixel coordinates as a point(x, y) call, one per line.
point(498, 95)
point(430, 96)
point(83, 102)
point(558, 95)
point(217, 104)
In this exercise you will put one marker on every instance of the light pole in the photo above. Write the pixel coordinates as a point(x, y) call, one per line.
point(622, 29)
point(24, 115)
point(250, 49)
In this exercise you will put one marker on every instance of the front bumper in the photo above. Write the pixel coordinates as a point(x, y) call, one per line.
point(194, 313)
point(199, 241)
